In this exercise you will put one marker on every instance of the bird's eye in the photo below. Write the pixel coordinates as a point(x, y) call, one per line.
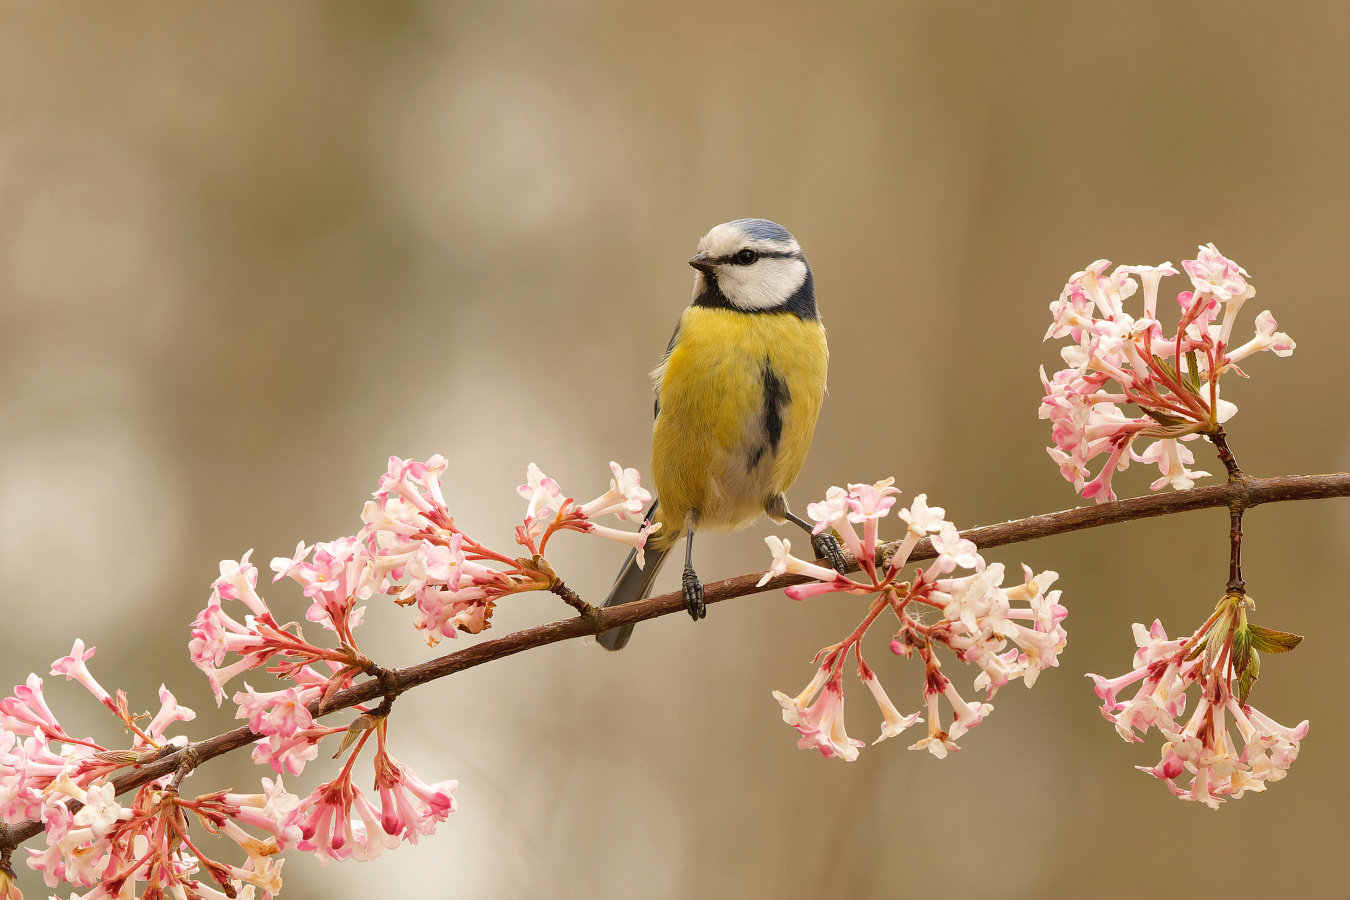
point(746, 257)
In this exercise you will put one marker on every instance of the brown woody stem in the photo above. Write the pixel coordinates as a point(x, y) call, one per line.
point(1235, 510)
point(1219, 438)
point(1244, 492)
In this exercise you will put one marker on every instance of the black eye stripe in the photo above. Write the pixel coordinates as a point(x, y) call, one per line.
point(761, 254)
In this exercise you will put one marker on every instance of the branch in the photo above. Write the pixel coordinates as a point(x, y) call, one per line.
point(1245, 493)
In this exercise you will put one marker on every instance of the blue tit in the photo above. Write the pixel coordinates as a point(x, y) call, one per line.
point(737, 395)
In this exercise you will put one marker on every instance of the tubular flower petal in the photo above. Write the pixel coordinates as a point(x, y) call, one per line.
point(1117, 359)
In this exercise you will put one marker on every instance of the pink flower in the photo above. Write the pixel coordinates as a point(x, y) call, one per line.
point(833, 512)
point(867, 504)
point(821, 724)
point(1071, 313)
point(169, 712)
point(342, 572)
point(1203, 746)
point(73, 667)
point(279, 713)
point(283, 566)
point(543, 493)
point(626, 498)
point(953, 551)
point(1213, 273)
point(238, 581)
point(371, 838)
point(409, 806)
point(1168, 378)
point(636, 539)
point(269, 811)
point(1267, 338)
point(978, 623)
point(288, 755)
point(784, 563)
point(324, 819)
point(27, 711)
point(408, 478)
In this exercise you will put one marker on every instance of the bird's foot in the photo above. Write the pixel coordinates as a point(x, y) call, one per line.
point(826, 546)
point(693, 595)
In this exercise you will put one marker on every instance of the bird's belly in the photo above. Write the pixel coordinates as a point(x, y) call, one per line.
point(739, 395)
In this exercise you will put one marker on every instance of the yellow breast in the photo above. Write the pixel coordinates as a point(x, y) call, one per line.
point(738, 398)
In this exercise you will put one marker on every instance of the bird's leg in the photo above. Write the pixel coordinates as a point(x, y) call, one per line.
point(826, 546)
point(693, 588)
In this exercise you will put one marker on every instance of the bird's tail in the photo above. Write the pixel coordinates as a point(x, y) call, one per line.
point(634, 583)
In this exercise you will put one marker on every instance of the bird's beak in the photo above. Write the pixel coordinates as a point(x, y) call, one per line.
point(704, 263)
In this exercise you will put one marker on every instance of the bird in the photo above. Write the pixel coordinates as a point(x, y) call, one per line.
point(737, 395)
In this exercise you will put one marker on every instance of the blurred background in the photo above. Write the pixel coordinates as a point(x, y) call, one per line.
point(249, 250)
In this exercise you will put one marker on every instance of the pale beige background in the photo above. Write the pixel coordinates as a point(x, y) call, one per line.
point(249, 250)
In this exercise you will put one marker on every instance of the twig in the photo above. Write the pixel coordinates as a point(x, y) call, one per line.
point(1244, 492)
point(1235, 510)
point(1219, 438)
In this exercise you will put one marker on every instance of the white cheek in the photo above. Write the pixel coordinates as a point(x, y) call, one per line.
point(767, 283)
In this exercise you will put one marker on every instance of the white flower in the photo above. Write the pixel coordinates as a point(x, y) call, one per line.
point(1151, 276)
point(784, 563)
point(626, 495)
point(101, 811)
point(1171, 458)
point(545, 496)
point(922, 518)
point(954, 550)
point(892, 722)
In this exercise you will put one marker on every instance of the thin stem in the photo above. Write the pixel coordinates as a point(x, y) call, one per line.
point(1245, 491)
point(573, 599)
point(1219, 438)
point(1235, 583)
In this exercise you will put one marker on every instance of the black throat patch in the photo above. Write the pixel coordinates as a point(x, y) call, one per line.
point(801, 304)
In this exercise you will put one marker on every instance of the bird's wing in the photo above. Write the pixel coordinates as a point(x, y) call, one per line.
point(656, 386)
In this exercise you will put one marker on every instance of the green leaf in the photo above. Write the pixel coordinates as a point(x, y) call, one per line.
point(1164, 418)
point(1166, 367)
point(1268, 640)
point(1242, 649)
point(1248, 678)
point(1216, 638)
point(360, 725)
point(1192, 371)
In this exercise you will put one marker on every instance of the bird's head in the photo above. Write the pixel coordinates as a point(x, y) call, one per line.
point(753, 265)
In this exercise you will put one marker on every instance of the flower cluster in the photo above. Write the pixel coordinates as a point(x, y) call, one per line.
point(1222, 659)
point(1173, 380)
point(409, 548)
point(113, 848)
point(412, 539)
point(972, 615)
point(35, 749)
point(338, 821)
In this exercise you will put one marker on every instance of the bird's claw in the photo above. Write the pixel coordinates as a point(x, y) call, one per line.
point(826, 546)
point(693, 595)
